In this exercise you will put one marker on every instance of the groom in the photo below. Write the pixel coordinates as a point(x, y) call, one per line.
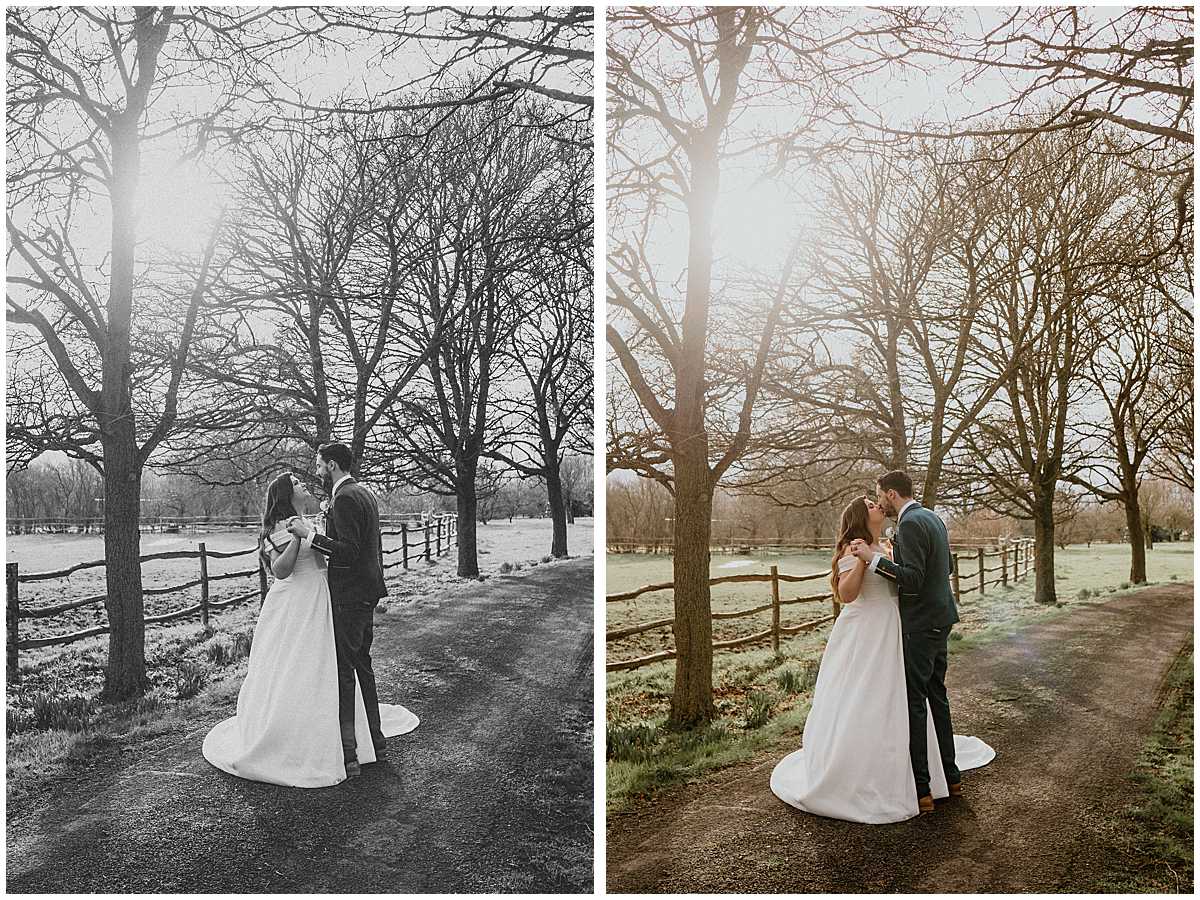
point(921, 570)
point(352, 543)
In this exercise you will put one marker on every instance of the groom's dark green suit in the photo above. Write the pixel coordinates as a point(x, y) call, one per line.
point(921, 570)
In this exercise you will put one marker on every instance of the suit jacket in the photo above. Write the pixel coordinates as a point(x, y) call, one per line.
point(921, 569)
point(354, 546)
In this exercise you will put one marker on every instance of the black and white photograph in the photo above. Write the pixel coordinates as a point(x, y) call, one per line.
point(299, 449)
point(899, 439)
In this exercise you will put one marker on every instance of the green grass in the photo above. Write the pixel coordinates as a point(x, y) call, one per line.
point(645, 756)
point(1154, 839)
point(762, 698)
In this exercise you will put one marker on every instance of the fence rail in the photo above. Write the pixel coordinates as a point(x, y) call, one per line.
point(1016, 561)
point(151, 524)
point(433, 539)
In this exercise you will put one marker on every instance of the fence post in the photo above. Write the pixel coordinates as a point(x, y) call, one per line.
point(404, 544)
point(1004, 566)
point(775, 610)
point(204, 585)
point(954, 576)
point(982, 574)
point(427, 556)
point(13, 611)
point(439, 536)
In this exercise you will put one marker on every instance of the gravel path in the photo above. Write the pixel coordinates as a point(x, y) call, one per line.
point(492, 793)
point(1066, 703)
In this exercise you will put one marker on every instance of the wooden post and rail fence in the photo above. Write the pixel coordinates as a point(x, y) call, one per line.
point(445, 536)
point(1015, 562)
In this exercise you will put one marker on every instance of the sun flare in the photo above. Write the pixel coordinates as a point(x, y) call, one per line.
point(178, 204)
point(757, 221)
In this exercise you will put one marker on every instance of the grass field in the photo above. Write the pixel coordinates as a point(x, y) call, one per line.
point(760, 696)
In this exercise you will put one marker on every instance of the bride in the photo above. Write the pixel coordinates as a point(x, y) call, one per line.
point(286, 728)
point(854, 763)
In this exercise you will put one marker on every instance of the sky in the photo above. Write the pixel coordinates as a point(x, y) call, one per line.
point(759, 215)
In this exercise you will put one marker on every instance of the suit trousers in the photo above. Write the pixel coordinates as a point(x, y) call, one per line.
point(925, 658)
point(352, 635)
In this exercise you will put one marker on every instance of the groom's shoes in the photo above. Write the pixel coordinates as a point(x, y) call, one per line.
point(956, 789)
point(352, 768)
point(925, 804)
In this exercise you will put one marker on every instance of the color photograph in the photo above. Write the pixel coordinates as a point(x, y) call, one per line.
point(899, 437)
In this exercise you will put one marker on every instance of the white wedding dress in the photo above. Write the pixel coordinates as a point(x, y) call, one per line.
point(854, 762)
point(286, 728)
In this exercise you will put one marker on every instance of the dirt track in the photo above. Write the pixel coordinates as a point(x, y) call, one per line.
point(1067, 704)
point(492, 793)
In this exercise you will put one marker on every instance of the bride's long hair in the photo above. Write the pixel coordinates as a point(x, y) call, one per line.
point(280, 504)
point(854, 525)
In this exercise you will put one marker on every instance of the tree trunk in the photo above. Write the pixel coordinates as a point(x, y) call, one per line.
point(468, 508)
point(558, 512)
point(692, 699)
point(125, 673)
point(1137, 539)
point(1043, 540)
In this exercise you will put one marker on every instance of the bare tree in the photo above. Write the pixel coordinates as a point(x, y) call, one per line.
point(577, 474)
point(1063, 245)
point(1123, 374)
point(550, 412)
point(84, 89)
point(494, 206)
point(678, 81)
point(512, 54)
point(1080, 69)
point(323, 240)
